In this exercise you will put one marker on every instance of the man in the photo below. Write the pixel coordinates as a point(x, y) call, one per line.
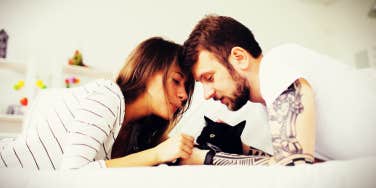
point(305, 94)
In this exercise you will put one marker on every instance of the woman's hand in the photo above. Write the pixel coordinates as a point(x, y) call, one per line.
point(197, 157)
point(179, 146)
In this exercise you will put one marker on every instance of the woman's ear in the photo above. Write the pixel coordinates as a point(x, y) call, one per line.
point(239, 58)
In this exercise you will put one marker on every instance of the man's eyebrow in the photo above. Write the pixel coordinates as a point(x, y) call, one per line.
point(203, 74)
point(200, 77)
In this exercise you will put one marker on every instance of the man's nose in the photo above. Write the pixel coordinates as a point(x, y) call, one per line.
point(208, 92)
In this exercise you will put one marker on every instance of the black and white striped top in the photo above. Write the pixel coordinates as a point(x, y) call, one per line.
point(68, 129)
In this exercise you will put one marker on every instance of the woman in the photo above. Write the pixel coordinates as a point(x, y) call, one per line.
point(110, 124)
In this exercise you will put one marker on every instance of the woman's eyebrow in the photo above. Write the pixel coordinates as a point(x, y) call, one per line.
point(180, 73)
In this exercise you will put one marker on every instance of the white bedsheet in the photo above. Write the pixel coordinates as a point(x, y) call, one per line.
point(351, 173)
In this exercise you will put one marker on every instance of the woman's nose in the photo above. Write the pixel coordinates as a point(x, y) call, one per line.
point(182, 94)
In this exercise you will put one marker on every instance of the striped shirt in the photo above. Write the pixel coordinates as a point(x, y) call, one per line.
point(68, 129)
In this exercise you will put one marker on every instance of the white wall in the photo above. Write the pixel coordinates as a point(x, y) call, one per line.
point(105, 31)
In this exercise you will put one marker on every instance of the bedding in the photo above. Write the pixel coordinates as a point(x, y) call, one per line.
point(350, 173)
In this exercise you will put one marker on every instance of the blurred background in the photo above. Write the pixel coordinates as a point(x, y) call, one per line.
point(49, 31)
point(44, 35)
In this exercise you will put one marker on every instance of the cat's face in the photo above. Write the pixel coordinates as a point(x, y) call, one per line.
point(222, 135)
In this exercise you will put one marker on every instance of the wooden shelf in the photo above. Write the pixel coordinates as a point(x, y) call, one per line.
point(8, 135)
point(86, 71)
point(10, 125)
point(11, 118)
point(11, 65)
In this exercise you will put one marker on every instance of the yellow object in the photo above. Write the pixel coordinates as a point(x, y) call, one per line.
point(21, 83)
point(39, 83)
point(18, 85)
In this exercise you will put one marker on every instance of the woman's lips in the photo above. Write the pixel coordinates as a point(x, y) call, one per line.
point(174, 107)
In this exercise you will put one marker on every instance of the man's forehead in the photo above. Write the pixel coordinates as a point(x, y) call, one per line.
point(204, 64)
point(195, 71)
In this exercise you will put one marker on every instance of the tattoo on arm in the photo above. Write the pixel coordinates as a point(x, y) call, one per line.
point(282, 116)
point(282, 120)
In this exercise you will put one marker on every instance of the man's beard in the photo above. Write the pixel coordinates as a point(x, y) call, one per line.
point(241, 94)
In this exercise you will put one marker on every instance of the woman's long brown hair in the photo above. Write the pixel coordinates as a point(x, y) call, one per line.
point(148, 58)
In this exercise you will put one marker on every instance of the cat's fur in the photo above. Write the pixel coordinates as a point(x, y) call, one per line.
point(225, 137)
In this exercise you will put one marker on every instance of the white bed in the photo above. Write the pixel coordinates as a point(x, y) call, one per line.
point(350, 173)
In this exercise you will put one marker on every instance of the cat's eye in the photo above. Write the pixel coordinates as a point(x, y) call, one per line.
point(212, 135)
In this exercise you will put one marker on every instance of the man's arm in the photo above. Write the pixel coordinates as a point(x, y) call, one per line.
point(208, 157)
point(249, 150)
point(292, 123)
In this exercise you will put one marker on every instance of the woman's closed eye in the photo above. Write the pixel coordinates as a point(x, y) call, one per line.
point(176, 81)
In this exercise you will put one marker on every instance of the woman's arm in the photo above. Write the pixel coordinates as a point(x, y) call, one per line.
point(93, 121)
point(143, 158)
point(179, 146)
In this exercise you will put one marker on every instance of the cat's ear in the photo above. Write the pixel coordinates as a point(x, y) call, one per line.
point(240, 127)
point(208, 121)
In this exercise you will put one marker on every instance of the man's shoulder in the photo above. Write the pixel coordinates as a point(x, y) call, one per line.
point(286, 48)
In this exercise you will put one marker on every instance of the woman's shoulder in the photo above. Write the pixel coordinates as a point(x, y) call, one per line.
point(103, 86)
point(105, 92)
point(109, 88)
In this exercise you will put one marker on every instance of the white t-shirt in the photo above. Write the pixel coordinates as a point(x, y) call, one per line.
point(68, 129)
point(345, 98)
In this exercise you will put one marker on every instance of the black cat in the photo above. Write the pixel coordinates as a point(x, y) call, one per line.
point(221, 135)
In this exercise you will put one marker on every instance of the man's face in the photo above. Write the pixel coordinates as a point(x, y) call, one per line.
point(219, 83)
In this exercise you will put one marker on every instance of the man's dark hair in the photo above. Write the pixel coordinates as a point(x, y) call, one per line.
point(218, 35)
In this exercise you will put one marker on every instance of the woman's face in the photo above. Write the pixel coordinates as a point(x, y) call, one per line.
point(166, 104)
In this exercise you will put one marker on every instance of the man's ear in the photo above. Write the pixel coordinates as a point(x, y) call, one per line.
point(239, 58)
